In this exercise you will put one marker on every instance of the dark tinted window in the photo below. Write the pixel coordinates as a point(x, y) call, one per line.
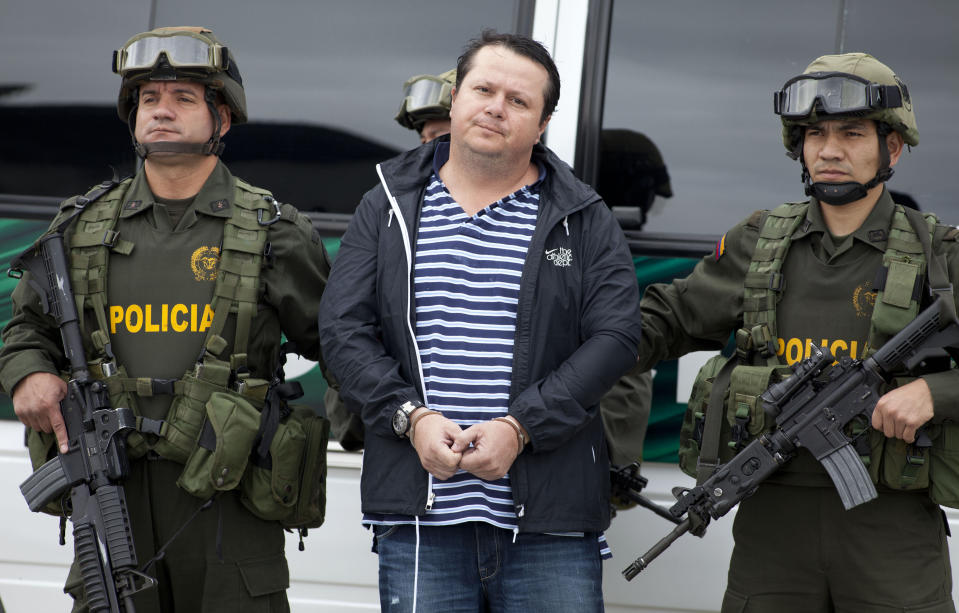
point(323, 82)
point(697, 78)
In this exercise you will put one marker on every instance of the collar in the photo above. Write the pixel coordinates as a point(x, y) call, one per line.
point(874, 230)
point(441, 155)
point(213, 199)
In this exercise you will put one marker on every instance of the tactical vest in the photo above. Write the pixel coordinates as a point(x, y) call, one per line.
point(709, 438)
point(228, 429)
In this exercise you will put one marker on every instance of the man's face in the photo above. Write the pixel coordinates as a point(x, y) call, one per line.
point(175, 111)
point(496, 109)
point(841, 150)
point(434, 128)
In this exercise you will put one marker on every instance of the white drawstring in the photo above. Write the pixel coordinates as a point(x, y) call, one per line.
point(566, 224)
point(416, 562)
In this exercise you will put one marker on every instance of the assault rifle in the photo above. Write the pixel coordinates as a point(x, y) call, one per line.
point(811, 409)
point(96, 463)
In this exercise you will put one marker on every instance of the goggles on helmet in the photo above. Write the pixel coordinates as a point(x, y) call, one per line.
point(426, 92)
point(183, 50)
point(837, 93)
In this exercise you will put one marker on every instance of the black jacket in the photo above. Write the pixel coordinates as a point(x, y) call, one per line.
point(577, 331)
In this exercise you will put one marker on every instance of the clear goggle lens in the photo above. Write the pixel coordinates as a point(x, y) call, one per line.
point(425, 92)
point(836, 93)
point(181, 50)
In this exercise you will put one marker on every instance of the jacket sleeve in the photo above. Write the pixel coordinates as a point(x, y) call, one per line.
point(557, 406)
point(699, 313)
point(370, 378)
point(295, 280)
point(944, 386)
point(31, 340)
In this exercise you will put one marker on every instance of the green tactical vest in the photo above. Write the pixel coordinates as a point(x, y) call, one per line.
point(235, 291)
point(706, 443)
point(228, 429)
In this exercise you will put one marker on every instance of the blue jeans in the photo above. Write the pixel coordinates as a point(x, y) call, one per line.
point(475, 567)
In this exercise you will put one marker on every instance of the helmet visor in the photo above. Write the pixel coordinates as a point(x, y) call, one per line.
point(426, 92)
point(182, 50)
point(836, 94)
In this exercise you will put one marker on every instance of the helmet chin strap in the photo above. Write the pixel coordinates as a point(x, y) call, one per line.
point(838, 194)
point(213, 146)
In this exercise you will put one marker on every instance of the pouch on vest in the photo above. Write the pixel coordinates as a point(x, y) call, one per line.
point(691, 432)
point(944, 467)
point(218, 465)
point(290, 486)
point(744, 409)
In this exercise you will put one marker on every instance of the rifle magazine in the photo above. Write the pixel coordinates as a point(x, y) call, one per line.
point(46, 484)
point(849, 475)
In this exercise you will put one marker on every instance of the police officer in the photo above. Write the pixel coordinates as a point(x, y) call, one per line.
point(426, 104)
point(846, 270)
point(180, 261)
point(632, 174)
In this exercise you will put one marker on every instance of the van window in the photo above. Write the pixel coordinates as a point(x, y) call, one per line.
point(323, 82)
point(697, 78)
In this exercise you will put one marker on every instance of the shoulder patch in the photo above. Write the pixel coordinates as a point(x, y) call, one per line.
point(720, 248)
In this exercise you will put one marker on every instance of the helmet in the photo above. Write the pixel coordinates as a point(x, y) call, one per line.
point(426, 97)
point(847, 85)
point(631, 172)
point(850, 84)
point(179, 54)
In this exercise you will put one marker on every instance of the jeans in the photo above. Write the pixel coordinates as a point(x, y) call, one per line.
point(475, 567)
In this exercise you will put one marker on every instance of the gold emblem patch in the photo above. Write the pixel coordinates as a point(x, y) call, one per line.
point(204, 262)
point(864, 299)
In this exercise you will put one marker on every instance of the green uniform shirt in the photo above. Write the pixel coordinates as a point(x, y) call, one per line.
point(827, 285)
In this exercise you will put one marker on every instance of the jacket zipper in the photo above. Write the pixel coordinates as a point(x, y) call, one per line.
point(408, 247)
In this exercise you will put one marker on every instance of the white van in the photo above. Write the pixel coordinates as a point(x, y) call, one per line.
point(323, 82)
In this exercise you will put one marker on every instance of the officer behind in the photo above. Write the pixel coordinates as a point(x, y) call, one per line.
point(845, 270)
point(632, 174)
point(426, 104)
point(192, 278)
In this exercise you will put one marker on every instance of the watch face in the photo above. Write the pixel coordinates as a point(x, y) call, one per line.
point(401, 422)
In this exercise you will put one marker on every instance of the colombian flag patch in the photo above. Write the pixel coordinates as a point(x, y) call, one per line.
point(720, 248)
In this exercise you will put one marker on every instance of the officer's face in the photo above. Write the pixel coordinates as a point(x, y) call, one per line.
point(497, 107)
point(840, 150)
point(176, 111)
point(434, 128)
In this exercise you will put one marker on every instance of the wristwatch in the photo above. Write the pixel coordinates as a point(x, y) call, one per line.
point(401, 418)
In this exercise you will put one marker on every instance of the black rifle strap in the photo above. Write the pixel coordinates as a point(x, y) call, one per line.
point(162, 551)
point(712, 428)
point(91, 196)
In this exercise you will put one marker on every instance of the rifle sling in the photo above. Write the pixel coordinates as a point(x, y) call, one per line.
point(709, 453)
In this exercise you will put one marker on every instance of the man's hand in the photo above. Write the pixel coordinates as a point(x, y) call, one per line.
point(493, 451)
point(36, 401)
point(901, 412)
point(433, 438)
